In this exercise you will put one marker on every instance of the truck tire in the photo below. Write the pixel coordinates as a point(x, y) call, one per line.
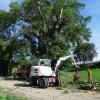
point(33, 81)
point(43, 83)
point(57, 82)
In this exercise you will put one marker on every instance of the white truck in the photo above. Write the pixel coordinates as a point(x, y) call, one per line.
point(42, 74)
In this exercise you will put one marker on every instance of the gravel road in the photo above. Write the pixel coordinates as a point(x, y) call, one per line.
point(34, 93)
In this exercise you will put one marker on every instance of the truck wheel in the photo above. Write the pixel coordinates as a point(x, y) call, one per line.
point(43, 83)
point(33, 81)
point(57, 82)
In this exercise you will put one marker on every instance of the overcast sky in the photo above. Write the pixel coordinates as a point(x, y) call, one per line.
point(92, 9)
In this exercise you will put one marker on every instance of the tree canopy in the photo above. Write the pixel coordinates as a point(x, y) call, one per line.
point(85, 52)
point(45, 28)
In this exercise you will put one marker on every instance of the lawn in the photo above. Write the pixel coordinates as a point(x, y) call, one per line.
point(67, 78)
point(95, 73)
point(68, 74)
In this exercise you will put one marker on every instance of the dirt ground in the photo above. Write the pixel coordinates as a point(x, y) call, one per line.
point(35, 93)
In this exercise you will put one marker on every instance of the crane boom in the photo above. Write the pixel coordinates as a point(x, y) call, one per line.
point(63, 59)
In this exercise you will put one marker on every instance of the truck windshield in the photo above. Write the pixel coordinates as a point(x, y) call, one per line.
point(43, 62)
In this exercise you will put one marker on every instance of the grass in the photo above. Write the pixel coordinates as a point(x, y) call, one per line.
point(67, 82)
point(6, 95)
point(67, 79)
point(95, 74)
point(83, 74)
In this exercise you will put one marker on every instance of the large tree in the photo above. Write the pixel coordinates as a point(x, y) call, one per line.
point(51, 25)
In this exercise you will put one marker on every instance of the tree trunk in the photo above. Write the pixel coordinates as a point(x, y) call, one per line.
point(76, 76)
point(47, 49)
point(90, 78)
point(4, 68)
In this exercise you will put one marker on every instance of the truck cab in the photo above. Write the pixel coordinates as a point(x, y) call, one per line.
point(42, 68)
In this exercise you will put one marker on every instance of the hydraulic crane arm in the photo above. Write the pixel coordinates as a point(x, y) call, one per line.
point(63, 59)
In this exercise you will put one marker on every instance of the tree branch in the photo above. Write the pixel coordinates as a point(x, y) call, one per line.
point(44, 23)
point(58, 24)
point(61, 14)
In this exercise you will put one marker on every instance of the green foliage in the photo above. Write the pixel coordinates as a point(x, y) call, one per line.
point(87, 85)
point(47, 28)
point(69, 86)
point(85, 52)
point(4, 95)
point(95, 65)
point(54, 23)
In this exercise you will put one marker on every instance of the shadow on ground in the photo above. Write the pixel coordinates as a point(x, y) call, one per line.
point(24, 85)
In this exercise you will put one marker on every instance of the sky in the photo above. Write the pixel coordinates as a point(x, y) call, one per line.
point(4, 4)
point(92, 9)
